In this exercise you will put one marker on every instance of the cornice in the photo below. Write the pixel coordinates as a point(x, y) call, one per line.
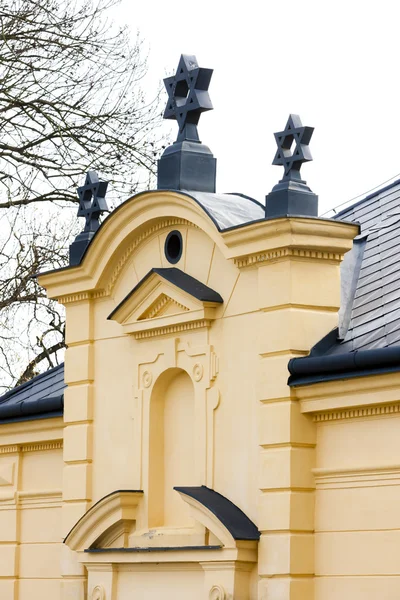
point(34, 447)
point(56, 445)
point(315, 228)
point(140, 335)
point(373, 395)
point(281, 253)
point(357, 476)
point(79, 297)
point(9, 449)
point(354, 413)
point(293, 238)
point(40, 498)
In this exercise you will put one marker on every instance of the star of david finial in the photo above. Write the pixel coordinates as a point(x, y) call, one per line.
point(188, 96)
point(293, 148)
point(92, 200)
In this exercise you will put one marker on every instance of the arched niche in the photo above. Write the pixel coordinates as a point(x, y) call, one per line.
point(171, 448)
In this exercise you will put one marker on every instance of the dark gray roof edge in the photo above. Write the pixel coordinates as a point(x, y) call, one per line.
point(314, 369)
point(29, 408)
point(29, 383)
point(180, 279)
point(231, 516)
point(33, 417)
point(369, 197)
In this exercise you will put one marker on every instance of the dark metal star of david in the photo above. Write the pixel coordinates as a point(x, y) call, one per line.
point(92, 201)
point(293, 148)
point(188, 96)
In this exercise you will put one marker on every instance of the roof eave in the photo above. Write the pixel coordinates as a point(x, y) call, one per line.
point(360, 363)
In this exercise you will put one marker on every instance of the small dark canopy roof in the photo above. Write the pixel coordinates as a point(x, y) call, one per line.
point(368, 338)
point(237, 523)
point(187, 283)
point(41, 397)
point(182, 280)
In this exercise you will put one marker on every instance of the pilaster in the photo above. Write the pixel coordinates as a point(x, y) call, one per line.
point(298, 271)
point(78, 433)
point(10, 523)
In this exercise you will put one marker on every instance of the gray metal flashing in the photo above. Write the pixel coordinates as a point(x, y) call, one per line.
point(153, 549)
point(350, 270)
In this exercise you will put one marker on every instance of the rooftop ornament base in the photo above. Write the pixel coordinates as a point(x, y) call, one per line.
point(92, 203)
point(292, 196)
point(187, 164)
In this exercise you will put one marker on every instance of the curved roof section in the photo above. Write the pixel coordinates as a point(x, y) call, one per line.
point(41, 397)
point(229, 210)
point(231, 516)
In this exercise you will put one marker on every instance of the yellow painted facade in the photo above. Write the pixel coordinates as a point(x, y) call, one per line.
point(175, 391)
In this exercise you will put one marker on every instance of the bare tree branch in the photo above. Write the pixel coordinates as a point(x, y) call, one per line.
point(71, 99)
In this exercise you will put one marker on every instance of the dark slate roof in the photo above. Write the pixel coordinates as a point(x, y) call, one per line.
point(375, 311)
point(41, 397)
point(370, 312)
point(180, 279)
point(235, 520)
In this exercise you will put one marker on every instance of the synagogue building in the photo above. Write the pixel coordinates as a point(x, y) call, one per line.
point(225, 424)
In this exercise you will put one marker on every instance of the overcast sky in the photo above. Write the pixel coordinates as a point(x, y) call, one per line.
point(336, 64)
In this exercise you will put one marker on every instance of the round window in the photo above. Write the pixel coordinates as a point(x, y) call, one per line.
point(173, 247)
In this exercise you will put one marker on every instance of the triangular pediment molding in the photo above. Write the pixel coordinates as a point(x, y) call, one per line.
point(163, 305)
point(166, 301)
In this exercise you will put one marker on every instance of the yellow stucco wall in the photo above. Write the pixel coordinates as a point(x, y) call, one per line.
point(31, 467)
point(175, 391)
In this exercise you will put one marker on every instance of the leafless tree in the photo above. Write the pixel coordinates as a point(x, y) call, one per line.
point(71, 99)
point(31, 327)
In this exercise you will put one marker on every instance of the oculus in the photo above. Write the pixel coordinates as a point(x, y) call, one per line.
point(173, 247)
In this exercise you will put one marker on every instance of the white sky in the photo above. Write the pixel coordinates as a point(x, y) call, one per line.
point(336, 64)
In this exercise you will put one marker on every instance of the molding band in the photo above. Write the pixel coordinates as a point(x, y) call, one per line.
point(354, 413)
point(35, 447)
point(254, 259)
point(140, 335)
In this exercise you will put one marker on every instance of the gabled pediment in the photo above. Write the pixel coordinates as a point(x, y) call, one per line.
point(166, 300)
point(162, 306)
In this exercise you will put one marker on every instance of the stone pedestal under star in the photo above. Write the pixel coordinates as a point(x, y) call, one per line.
point(187, 164)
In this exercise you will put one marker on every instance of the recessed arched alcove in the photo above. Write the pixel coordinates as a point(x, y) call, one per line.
point(171, 448)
